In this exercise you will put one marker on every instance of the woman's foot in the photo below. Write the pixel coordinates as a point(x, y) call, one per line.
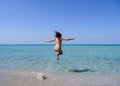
point(57, 56)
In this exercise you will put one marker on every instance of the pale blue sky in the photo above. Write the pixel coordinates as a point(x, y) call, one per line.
point(32, 21)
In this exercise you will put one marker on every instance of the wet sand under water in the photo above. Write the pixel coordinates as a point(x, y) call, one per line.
point(10, 78)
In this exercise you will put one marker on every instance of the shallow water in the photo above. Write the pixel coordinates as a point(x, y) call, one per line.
point(80, 58)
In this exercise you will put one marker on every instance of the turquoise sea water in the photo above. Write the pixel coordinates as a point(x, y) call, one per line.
point(76, 58)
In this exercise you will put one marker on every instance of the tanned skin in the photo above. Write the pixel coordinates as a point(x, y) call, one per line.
point(58, 40)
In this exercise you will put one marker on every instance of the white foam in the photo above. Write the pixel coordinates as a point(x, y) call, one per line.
point(40, 76)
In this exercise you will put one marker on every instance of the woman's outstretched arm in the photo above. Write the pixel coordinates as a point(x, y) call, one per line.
point(67, 39)
point(50, 40)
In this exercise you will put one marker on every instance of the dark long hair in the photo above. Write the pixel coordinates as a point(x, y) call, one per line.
point(58, 34)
